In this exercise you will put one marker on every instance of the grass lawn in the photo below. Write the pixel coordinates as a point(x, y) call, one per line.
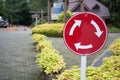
point(113, 30)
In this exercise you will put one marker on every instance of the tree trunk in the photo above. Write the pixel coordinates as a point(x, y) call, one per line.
point(82, 5)
point(49, 11)
point(65, 9)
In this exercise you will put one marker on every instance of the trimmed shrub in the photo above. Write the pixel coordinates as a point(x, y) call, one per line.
point(50, 61)
point(38, 38)
point(61, 16)
point(115, 47)
point(52, 29)
point(71, 74)
point(44, 44)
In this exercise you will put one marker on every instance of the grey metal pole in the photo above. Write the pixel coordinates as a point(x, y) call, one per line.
point(83, 67)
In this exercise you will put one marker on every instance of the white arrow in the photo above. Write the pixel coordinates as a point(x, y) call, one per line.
point(79, 46)
point(77, 23)
point(99, 32)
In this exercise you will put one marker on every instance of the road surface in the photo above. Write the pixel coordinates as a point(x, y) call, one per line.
point(17, 56)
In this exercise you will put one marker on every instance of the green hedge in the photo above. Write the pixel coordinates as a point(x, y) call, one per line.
point(49, 29)
point(48, 59)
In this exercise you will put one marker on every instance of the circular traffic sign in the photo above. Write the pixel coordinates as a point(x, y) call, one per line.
point(85, 33)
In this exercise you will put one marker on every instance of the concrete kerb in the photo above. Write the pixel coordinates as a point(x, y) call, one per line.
point(97, 62)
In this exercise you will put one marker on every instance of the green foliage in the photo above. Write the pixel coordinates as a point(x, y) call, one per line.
point(113, 29)
point(37, 5)
point(16, 12)
point(61, 16)
point(115, 47)
point(109, 70)
point(38, 38)
point(48, 59)
point(93, 73)
point(44, 44)
point(49, 29)
point(71, 74)
point(113, 6)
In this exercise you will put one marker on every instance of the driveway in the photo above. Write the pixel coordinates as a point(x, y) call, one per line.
point(17, 56)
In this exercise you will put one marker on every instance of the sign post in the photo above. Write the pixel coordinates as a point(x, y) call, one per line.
point(36, 16)
point(84, 34)
point(83, 67)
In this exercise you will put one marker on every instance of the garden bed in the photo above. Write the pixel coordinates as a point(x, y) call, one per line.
point(99, 60)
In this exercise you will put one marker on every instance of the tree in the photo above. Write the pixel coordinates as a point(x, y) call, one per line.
point(65, 9)
point(13, 10)
point(113, 6)
point(24, 13)
point(49, 9)
point(37, 5)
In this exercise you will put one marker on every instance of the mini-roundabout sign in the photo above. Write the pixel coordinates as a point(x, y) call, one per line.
point(85, 33)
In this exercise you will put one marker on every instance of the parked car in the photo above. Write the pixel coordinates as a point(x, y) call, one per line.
point(3, 23)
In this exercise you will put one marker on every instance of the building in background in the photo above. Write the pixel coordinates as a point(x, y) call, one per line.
point(56, 9)
point(74, 6)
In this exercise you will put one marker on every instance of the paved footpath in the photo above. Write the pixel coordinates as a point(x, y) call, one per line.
point(17, 56)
